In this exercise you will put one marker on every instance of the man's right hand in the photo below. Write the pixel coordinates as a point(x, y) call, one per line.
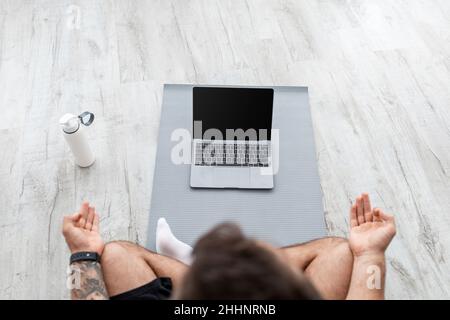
point(81, 231)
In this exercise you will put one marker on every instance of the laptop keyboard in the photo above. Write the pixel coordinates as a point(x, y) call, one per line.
point(229, 154)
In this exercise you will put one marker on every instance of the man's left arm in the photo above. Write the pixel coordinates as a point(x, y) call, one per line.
point(91, 285)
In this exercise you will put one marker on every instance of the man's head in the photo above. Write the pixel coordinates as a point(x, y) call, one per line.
point(228, 265)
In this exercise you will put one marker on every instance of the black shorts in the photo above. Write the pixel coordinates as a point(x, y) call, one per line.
point(158, 289)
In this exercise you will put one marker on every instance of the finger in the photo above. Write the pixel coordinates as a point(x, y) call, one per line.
point(389, 218)
point(353, 217)
point(377, 215)
point(76, 217)
point(367, 208)
point(73, 217)
point(360, 210)
point(96, 224)
point(386, 216)
point(69, 222)
point(90, 218)
point(84, 211)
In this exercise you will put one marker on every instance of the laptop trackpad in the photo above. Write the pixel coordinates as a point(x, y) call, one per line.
point(227, 177)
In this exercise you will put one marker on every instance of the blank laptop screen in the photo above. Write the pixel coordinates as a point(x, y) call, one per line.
point(232, 108)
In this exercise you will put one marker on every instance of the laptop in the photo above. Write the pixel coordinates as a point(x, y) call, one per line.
point(231, 146)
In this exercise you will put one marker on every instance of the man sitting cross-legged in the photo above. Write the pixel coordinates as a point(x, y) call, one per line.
point(228, 265)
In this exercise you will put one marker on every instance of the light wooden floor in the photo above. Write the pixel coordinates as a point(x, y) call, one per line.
point(379, 79)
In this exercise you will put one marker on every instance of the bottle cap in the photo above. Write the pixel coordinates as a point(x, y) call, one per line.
point(69, 123)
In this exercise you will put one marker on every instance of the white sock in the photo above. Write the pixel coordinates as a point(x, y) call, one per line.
point(168, 245)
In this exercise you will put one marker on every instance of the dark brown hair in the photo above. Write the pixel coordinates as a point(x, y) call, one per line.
point(228, 265)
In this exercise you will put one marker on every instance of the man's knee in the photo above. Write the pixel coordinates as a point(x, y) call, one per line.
point(335, 241)
point(114, 251)
point(339, 245)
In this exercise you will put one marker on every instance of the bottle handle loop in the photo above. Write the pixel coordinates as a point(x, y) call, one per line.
point(86, 118)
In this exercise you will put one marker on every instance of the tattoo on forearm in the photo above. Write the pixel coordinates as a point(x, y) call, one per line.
point(86, 281)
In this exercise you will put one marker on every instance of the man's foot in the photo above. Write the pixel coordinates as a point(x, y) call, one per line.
point(167, 244)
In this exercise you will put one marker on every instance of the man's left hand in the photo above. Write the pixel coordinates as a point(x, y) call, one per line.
point(81, 231)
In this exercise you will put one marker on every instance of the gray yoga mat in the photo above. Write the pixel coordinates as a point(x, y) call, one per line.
point(290, 213)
